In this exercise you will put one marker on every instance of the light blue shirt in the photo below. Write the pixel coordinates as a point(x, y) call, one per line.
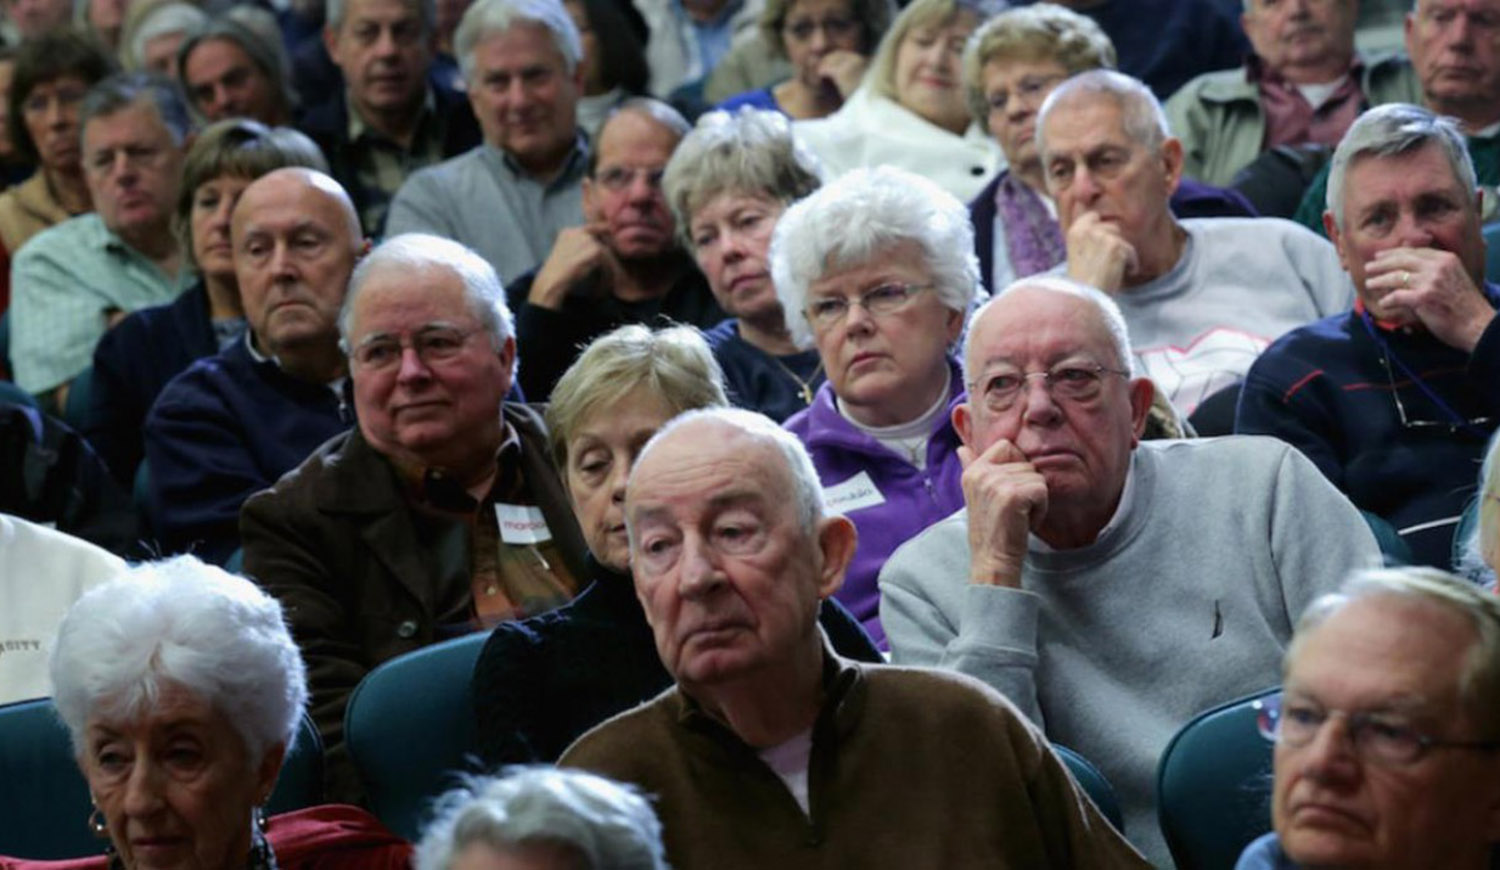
point(65, 282)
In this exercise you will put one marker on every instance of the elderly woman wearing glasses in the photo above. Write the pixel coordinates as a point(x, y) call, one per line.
point(877, 271)
point(910, 110)
point(1387, 731)
point(183, 691)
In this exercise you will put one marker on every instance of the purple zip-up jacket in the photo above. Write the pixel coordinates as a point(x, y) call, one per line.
point(893, 505)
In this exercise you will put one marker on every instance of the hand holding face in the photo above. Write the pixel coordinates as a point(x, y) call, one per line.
point(1006, 498)
point(1431, 287)
point(843, 70)
point(1098, 255)
point(577, 252)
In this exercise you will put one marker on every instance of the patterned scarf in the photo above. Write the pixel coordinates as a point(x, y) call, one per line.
point(1032, 238)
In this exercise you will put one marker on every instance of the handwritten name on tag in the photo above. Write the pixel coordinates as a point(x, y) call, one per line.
point(521, 524)
point(856, 493)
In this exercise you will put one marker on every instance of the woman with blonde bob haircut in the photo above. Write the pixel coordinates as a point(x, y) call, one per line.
point(727, 184)
point(911, 112)
point(541, 683)
point(183, 691)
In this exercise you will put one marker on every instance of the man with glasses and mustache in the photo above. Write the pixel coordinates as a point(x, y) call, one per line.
point(1111, 588)
point(1387, 740)
point(440, 513)
point(1395, 399)
point(232, 423)
point(624, 264)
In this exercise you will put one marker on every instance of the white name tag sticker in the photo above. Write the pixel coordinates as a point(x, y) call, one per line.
point(856, 493)
point(521, 524)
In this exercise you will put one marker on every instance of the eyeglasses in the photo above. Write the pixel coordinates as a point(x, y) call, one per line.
point(433, 345)
point(833, 28)
point(1074, 382)
point(1384, 738)
point(618, 178)
point(826, 311)
point(1030, 90)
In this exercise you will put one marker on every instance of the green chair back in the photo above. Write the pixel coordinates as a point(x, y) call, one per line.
point(1092, 781)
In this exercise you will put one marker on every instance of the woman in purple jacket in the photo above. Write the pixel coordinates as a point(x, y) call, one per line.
point(877, 270)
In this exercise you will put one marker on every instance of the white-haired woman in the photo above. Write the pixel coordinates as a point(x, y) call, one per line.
point(727, 183)
point(911, 111)
point(542, 818)
point(541, 683)
point(183, 691)
point(877, 271)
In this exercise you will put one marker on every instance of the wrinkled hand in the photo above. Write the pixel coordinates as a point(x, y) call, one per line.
point(577, 252)
point(843, 70)
point(1006, 498)
point(1098, 255)
point(1431, 287)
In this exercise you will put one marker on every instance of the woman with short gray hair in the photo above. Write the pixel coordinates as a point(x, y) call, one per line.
point(543, 818)
point(877, 271)
point(183, 692)
point(541, 683)
point(727, 184)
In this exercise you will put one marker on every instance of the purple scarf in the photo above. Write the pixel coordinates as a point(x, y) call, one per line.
point(1033, 239)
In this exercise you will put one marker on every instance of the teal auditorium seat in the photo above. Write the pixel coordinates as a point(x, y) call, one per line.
point(77, 407)
point(1093, 782)
point(1213, 785)
point(1392, 546)
point(409, 728)
point(44, 802)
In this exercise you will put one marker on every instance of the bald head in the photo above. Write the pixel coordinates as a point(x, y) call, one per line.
point(1008, 311)
point(296, 238)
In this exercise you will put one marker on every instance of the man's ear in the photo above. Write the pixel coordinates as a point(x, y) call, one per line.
point(270, 767)
point(331, 42)
point(963, 423)
point(1331, 227)
point(837, 539)
point(1171, 155)
point(590, 200)
point(1142, 394)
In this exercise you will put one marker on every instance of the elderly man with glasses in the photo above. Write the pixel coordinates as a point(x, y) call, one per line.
point(1387, 734)
point(1395, 399)
point(1111, 588)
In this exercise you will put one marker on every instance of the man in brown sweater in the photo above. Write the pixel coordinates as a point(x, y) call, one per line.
point(771, 751)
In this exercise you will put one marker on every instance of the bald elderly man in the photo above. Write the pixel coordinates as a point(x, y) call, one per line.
point(1111, 588)
point(773, 751)
point(233, 423)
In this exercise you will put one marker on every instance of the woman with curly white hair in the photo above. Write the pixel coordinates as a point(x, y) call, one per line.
point(877, 271)
point(182, 690)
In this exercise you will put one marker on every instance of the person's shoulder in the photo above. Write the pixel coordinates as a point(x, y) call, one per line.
point(1190, 458)
point(304, 481)
point(204, 377)
point(935, 694)
point(31, 544)
point(725, 332)
point(627, 738)
point(65, 241)
point(1217, 86)
point(451, 176)
point(332, 836)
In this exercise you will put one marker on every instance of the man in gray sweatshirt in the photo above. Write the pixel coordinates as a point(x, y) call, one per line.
point(1110, 588)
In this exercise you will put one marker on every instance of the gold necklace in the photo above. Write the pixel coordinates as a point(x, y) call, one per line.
point(804, 387)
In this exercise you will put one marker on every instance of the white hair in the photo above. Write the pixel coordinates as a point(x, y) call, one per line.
point(1479, 678)
point(170, 18)
point(1107, 309)
point(489, 17)
point(1141, 115)
point(414, 252)
point(608, 825)
point(335, 10)
point(807, 491)
point(1390, 131)
point(857, 218)
point(185, 623)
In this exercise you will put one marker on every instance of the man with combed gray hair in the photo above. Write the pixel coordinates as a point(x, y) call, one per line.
point(1203, 297)
point(1395, 399)
point(440, 513)
point(520, 59)
point(774, 751)
point(73, 281)
point(1086, 578)
point(388, 116)
point(542, 818)
point(1407, 662)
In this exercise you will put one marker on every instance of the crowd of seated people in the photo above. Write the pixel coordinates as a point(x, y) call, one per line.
point(695, 359)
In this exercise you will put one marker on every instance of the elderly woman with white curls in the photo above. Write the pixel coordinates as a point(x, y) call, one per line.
point(182, 691)
point(542, 818)
point(877, 270)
